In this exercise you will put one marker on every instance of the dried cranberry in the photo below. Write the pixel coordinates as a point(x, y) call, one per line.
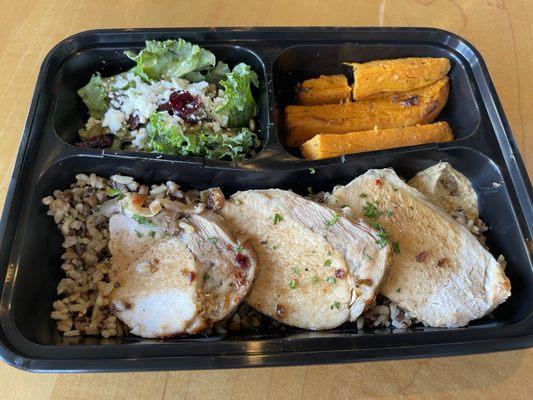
point(133, 122)
point(181, 103)
point(242, 260)
point(97, 142)
point(165, 107)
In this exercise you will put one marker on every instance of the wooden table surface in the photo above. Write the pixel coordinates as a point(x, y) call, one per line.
point(501, 30)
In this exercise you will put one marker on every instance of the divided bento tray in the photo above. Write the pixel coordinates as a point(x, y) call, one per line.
point(484, 150)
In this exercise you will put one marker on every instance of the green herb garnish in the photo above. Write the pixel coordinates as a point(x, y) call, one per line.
point(398, 290)
point(315, 280)
point(327, 263)
point(151, 234)
point(336, 305)
point(239, 248)
point(111, 192)
point(295, 271)
point(275, 246)
point(205, 277)
point(370, 210)
point(292, 284)
point(139, 234)
point(331, 279)
point(141, 220)
point(383, 236)
point(396, 247)
point(368, 257)
point(213, 240)
point(277, 218)
point(333, 220)
point(312, 171)
point(362, 195)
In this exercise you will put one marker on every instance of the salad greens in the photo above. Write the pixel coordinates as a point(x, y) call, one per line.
point(239, 104)
point(176, 100)
point(170, 59)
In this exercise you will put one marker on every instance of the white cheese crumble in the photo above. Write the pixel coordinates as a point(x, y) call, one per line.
point(113, 119)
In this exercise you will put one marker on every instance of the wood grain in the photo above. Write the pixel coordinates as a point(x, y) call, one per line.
point(501, 30)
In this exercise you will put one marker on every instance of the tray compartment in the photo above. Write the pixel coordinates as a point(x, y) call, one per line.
point(302, 62)
point(37, 261)
point(70, 114)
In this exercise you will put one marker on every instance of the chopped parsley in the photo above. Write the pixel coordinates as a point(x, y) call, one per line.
point(205, 277)
point(275, 246)
point(295, 271)
point(139, 234)
point(396, 247)
point(336, 305)
point(151, 234)
point(368, 257)
point(388, 213)
point(239, 248)
point(312, 171)
point(111, 192)
point(344, 205)
point(398, 290)
point(277, 218)
point(315, 280)
point(331, 279)
point(371, 211)
point(141, 220)
point(292, 284)
point(383, 236)
point(333, 220)
point(362, 195)
point(213, 240)
point(327, 263)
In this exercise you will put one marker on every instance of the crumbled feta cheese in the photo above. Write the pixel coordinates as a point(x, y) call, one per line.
point(140, 138)
point(113, 119)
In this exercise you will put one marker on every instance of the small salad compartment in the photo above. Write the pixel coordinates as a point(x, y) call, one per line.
point(192, 99)
point(31, 252)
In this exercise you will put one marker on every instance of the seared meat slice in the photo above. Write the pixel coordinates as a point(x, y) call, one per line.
point(446, 187)
point(129, 240)
point(441, 273)
point(159, 294)
point(227, 266)
point(317, 269)
point(221, 273)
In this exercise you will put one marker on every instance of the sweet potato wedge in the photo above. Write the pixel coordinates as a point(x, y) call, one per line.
point(326, 89)
point(399, 75)
point(333, 145)
point(389, 110)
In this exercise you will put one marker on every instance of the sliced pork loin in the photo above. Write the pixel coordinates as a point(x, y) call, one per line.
point(167, 284)
point(441, 274)
point(317, 269)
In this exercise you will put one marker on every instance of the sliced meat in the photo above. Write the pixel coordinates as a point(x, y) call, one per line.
point(317, 269)
point(448, 188)
point(129, 240)
point(222, 275)
point(441, 274)
point(159, 294)
point(227, 265)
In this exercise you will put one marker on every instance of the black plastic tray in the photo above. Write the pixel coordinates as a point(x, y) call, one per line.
point(31, 245)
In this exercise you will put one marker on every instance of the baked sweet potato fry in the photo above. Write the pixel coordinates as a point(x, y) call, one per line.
point(333, 145)
point(389, 110)
point(326, 89)
point(399, 75)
